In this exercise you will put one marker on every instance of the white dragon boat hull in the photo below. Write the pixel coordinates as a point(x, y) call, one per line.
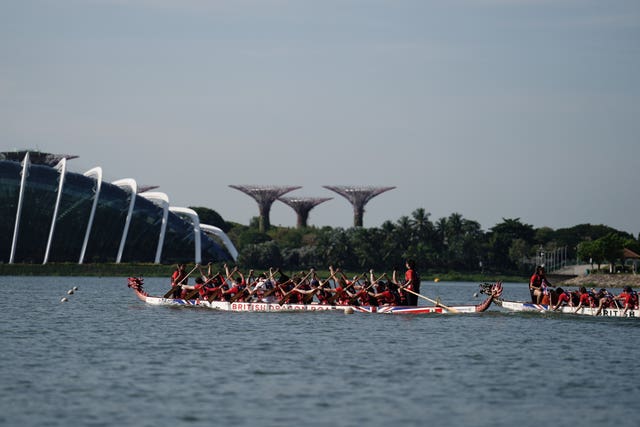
point(237, 306)
point(584, 311)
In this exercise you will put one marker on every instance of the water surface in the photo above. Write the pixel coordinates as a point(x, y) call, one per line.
point(105, 358)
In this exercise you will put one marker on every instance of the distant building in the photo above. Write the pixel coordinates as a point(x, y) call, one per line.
point(48, 214)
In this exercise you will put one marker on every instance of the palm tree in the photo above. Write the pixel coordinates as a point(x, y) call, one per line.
point(420, 222)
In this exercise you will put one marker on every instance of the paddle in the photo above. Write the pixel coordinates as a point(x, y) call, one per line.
point(245, 290)
point(286, 295)
point(437, 303)
point(229, 278)
point(336, 295)
point(624, 309)
point(170, 291)
point(217, 291)
point(191, 294)
point(366, 289)
point(309, 297)
point(195, 291)
point(275, 288)
point(277, 285)
point(249, 293)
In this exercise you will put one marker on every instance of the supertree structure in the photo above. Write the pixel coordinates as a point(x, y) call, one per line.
point(358, 197)
point(265, 195)
point(302, 206)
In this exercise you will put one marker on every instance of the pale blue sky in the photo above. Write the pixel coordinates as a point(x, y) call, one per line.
point(490, 108)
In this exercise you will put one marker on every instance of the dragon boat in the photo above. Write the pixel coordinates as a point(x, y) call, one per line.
point(584, 311)
point(524, 306)
point(136, 283)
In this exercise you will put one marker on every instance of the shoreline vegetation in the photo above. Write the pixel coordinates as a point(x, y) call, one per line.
point(165, 270)
point(598, 280)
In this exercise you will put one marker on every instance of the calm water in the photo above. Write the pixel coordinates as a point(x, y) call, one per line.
point(104, 358)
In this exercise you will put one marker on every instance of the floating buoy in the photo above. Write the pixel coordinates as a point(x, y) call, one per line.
point(75, 288)
point(70, 292)
point(475, 295)
point(436, 280)
point(348, 310)
point(64, 299)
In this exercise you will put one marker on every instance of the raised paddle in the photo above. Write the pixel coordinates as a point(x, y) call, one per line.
point(276, 287)
point(249, 293)
point(286, 295)
point(217, 289)
point(194, 292)
point(229, 277)
point(366, 289)
point(244, 291)
point(309, 297)
point(216, 292)
point(170, 291)
point(336, 295)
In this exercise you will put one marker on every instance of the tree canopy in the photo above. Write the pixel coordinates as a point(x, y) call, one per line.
point(449, 244)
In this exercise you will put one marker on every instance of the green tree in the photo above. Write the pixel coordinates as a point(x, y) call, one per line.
point(592, 250)
point(473, 240)
point(612, 245)
point(421, 225)
point(211, 217)
point(249, 236)
point(335, 248)
point(261, 255)
point(544, 235)
point(518, 251)
point(392, 248)
point(501, 238)
point(463, 241)
point(367, 247)
point(422, 240)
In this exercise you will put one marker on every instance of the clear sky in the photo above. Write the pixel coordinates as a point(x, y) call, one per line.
point(492, 109)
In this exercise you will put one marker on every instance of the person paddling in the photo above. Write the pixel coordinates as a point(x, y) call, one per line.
point(586, 300)
point(562, 298)
point(537, 282)
point(384, 295)
point(629, 299)
point(236, 290)
point(178, 278)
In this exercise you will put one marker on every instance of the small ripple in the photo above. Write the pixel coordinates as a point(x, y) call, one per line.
point(269, 373)
point(190, 418)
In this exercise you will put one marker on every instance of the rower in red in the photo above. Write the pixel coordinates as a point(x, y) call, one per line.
point(629, 299)
point(383, 294)
point(178, 278)
point(537, 282)
point(559, 299)
point(411, 282)
point(586, 299)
